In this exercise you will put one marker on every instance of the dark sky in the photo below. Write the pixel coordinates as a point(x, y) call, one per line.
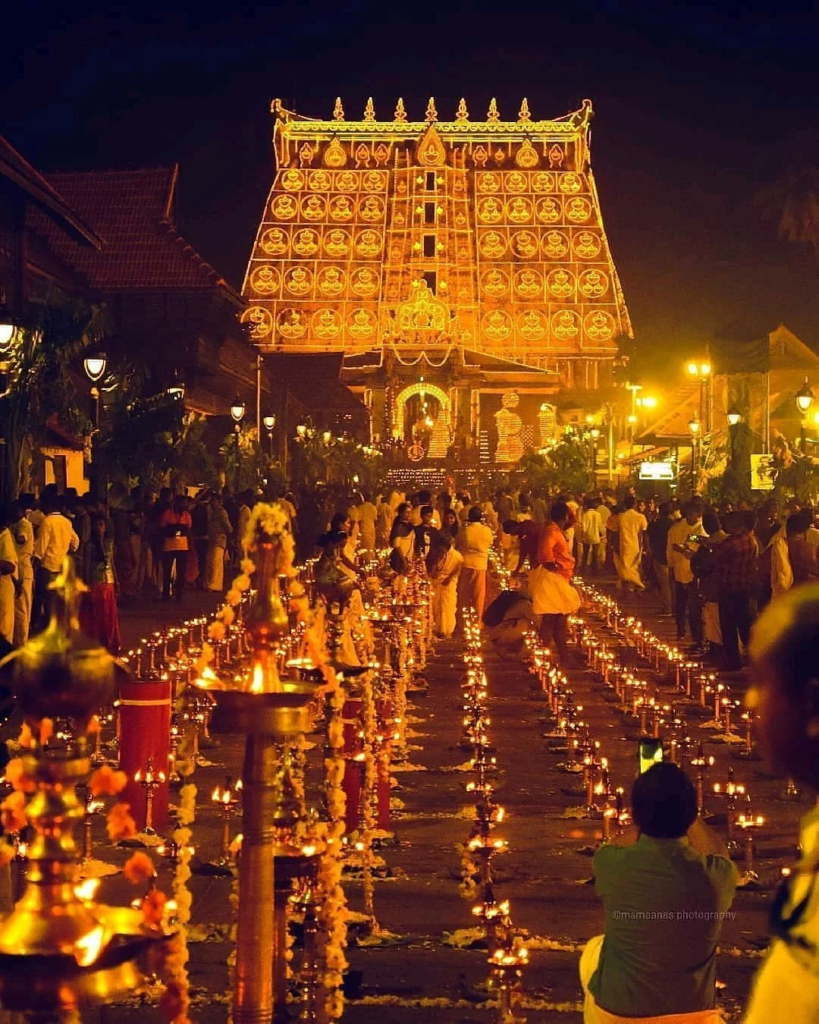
point(696, 107)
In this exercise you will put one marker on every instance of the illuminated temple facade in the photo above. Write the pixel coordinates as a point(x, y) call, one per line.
point(460, 267)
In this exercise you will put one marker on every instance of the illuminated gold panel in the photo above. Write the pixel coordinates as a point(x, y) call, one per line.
point(501, 218)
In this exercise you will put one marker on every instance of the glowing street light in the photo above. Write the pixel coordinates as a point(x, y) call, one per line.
point(237, 410)
point(734, 416)
point(269, 421)
point(694, 427)
point(94, 366)
point(804, 400)
point(237, 414)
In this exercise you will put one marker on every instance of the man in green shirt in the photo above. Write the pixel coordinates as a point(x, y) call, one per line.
point(664, 897)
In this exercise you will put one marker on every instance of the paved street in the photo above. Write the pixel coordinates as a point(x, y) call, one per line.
point(544, 875)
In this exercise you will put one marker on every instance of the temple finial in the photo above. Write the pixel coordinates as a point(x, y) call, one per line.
point(400, 111)
point(338, 110)
point(369, 111)
point(523, 114)
point(432, 113)
point(462, 113)
point(492, 114)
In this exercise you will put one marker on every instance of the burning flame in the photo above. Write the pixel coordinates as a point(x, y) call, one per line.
point(87, 889)
point(257, 679)
point(88, 948)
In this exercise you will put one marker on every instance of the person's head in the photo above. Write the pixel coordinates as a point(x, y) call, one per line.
point(629, 501)
point(663, 801)
point(27, 500)
point(559, 513)
point(5, 516)
point(50, 502)
point(784, 689)
point(733, 523)
point(427, 512)
point(214, 499)
point(798, 523)
point(711, 523)
point(341, 521)
point(692, 512)
point(165, 495)
point(665, 509)
point(424, 497)
point(445, 499)
point(98, 526)
point(748, 519)
point(769, 512)
point(402, 513)
point(16, 511)
point(450, 518)
point(475, 514)
point(512, 527)
point(180, 503)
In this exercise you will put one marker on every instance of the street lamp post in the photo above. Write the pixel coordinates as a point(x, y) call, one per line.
point(594, 433)
point(694, 427)
point(701, 372)
point(734, 417)
point(804, 400)
point(237, 414)
point(269, 423)
point(95, 366)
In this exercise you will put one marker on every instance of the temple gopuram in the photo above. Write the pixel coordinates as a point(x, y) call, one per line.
point(459, 269)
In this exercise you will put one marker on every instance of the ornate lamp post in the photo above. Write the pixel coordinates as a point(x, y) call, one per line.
point(95, 366)
point(734, 417)
point(694, 427)
point(804, 400)
point(237, 414)
point(594, 434)
point(269, 424)
point(701, 372)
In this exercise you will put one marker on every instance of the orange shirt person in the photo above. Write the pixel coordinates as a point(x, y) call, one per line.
point(553, 548)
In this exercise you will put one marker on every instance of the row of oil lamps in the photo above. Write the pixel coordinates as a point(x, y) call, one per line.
point(508, 955)
point(630, 662)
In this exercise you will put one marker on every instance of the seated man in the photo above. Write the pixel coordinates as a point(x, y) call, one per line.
point(664, 898)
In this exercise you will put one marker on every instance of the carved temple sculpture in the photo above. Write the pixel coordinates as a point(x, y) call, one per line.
point(466, 252)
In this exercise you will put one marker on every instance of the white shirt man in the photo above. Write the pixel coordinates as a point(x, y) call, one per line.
point(8, 573)
point(55, 539)
point(22, 534)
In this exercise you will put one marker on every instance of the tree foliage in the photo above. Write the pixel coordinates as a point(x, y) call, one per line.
point(43, 361)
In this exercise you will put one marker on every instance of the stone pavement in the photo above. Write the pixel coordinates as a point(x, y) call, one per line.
point(544, 874)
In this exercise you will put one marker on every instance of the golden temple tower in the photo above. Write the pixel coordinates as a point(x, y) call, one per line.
point(434, 235)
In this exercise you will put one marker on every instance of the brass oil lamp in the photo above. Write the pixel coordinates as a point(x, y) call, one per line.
point(269, 711)
point(59, 949)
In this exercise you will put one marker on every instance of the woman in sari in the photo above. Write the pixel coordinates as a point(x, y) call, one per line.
point(444, 566)
point(98, 615)
point(219, 531)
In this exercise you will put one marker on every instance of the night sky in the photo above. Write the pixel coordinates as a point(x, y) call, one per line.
point(696, 108)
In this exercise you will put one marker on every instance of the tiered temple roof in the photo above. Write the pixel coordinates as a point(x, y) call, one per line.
point(432, 233)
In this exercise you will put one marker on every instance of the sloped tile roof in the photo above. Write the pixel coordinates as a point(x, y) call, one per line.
point(132, 211)
point(18, 170)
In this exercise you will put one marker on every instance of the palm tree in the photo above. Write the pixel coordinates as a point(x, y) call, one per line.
point(791, 200)
point(58, 330)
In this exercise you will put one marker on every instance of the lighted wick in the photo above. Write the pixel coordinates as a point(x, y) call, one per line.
point(227, 800)
point(732, 792)
point(749, 822)
point(702, 764)
point(91, 808)
point(150, 782)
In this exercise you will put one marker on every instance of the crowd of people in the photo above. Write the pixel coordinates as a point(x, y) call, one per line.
point(139, 543)
point(728, 578)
